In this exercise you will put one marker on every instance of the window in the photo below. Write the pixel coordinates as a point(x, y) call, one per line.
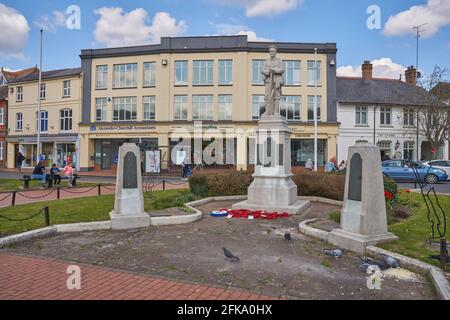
point(202, 107)
point(1, 150)
point(2, 116)
point(408, 117)
point(314, 73)
point(102, 77)
point(311, 103)
point(19, 94)
point(361, 116)
point(43, 93)
point(180, 108)
point(44, 121)
point(225, 72)
point(66, 119)
point(181, 72)
point(290, 107)
point(292, 73)
point(203, 72)
point(125, 75)
point(66, 88)
point(19, 121)
point(256, 69)
point(258, 106)
point(149, 107)
point(408, 150)
point(149, 74)
point(225, 107)
point(385, 116)
point(100, 109)
point(124, 109)
point(385, 146)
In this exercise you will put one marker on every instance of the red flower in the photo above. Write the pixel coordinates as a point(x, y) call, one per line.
point(407, 190)
point(388, 195)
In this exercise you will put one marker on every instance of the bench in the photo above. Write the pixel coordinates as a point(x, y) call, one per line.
point(27, 178)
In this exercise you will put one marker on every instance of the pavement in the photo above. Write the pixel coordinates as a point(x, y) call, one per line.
point(25, 277)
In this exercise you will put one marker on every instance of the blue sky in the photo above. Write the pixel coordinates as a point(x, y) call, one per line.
point(343, 22)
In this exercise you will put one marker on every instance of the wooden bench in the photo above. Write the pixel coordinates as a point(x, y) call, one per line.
point(27, 178)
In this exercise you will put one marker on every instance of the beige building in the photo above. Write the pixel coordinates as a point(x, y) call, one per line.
point(60, 94)
point(147, 94)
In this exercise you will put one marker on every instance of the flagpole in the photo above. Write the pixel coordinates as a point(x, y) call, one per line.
point(39, 151)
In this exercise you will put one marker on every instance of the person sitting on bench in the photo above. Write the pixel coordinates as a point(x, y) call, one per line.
point(55, 174)
point(68, 172)
point(39, 173)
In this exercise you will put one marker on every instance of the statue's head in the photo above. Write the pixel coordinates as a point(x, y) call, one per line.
point(272, 51)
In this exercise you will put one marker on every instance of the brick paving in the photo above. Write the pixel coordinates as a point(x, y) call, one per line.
point(24, 277)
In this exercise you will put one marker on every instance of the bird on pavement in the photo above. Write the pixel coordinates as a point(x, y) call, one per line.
point(230, 255)
point(337, 253)
point(372, 262)
point(287, 236)
point(390, 261)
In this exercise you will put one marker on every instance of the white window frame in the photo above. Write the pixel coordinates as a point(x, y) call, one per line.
point(294, 69)
point(384, 111)
point(182, 70)
point(148, 108)
point(125, 75)
point(124, 104)
point(101, 80)
point(19, 94)
point(65, 122)
point(1, 150)
point(101, 104)
point(19, 121)
point(408, 146)
point(2, 116)
point(180, 108)
point(43, 91)
point(44, 121)
point(408, 117)
point(225, 72)
point(66, 88)
point(292, 104)
point(314, 67)
point(359, 112)
point(225, 107)
point(149, 74)
point(257, 77)
point(203, 107)
point(311, 101)
point(258, 107)
point(203, 72)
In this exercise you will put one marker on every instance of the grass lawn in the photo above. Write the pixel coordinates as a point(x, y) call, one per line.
point(82, 210)
point(17, 185)
point(415, 230)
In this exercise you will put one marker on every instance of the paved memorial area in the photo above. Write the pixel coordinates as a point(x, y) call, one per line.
point(269, 265)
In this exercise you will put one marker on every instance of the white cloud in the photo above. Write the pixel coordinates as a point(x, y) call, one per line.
point(382, 68)
point(51, 24)
point(226, 29)
point(118, 28)
point(14, 31)
point(435, 13)
point(255, 8)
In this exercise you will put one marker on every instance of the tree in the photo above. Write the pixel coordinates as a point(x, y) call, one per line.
point(433, 118)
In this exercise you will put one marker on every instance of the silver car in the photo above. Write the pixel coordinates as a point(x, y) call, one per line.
point(439, 164)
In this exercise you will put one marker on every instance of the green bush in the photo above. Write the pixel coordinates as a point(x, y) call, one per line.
point(320, 184)
point(390, 185)
point(223, 184)
point(199, 185)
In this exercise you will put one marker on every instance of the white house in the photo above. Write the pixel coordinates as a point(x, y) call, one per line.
point(383, 112)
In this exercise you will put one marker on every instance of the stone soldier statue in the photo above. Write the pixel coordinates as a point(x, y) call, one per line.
point(272, 72)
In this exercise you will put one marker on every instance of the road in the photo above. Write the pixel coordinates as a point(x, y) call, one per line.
point(443, 187)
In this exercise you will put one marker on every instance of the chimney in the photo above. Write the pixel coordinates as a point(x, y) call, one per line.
point(411, 75)
point(367, 70)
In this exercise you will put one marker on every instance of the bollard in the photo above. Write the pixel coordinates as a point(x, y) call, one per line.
point(443, 255)
point(58, 193)
point(164, 185)
point(47, 216)
point(99, 189)
point(13, 198)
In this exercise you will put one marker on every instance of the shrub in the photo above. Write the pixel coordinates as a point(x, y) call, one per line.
point(390, 185)
point(199, 185)
point(222, 184)
point(320, 184)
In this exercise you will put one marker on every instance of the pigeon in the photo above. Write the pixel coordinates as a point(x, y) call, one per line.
point(287, 236)
point(390, 261)
point(372, 262)
point(337, 253)
point(230, 255)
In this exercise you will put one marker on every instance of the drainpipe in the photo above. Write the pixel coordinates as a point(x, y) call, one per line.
point(417, 136)
point(374, 123)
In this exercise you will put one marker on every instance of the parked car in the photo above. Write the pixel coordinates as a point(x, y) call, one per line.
point(439, 164)
point(400, 171)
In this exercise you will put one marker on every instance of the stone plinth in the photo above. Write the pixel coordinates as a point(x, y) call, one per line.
point(363, 217)
point(128, 210)
point(272, 188)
